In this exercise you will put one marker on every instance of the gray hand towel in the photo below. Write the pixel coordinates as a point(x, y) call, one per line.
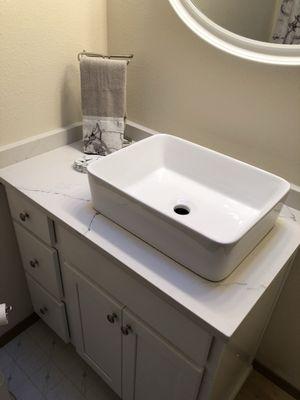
point(103, 97)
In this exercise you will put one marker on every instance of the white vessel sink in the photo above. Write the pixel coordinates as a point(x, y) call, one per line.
point(203, 209)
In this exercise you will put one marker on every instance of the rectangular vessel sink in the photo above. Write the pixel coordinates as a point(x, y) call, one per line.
point(203, 209)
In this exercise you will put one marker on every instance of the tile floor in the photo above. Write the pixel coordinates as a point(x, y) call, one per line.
point(37, 365)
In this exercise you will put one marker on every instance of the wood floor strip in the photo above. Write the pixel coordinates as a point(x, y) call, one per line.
point(22, 326)
point(284, 385)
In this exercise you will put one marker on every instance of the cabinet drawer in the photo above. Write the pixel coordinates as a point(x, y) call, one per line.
point(40, 261)
point(173, 325)
point(29, 215)
point(49, 309)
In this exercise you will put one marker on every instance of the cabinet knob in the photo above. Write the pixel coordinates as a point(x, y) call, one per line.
point(34, 263)
point(126, 330)
point(23, 216)
point(112, 318)
point(43, 310)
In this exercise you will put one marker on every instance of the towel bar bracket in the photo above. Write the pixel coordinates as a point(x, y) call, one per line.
point(112, 57)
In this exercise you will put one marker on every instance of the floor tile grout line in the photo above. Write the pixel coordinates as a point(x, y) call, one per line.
point(15, 364)
point(60, 370)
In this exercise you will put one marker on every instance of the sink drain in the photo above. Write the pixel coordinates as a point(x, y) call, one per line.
point(182, 209)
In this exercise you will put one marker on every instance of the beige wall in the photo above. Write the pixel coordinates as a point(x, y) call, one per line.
point(39, 81)
point(252, 19)
point(181, 85)
point(39, 91)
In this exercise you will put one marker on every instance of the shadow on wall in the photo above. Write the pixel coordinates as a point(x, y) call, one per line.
point(13, 287)
point(69, 95)
point(280, 348)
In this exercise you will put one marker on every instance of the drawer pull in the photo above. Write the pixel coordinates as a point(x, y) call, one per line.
point(126, 330)
point(112, 318)
point(23, 216)
point(43, 310)
point(34, 263)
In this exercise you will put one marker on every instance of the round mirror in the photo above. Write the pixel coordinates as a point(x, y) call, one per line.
point(266, 31)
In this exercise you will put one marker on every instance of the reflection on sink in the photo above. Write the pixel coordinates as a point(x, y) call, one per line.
point(203, 209)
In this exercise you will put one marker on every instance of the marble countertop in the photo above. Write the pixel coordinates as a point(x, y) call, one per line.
point(64, 194)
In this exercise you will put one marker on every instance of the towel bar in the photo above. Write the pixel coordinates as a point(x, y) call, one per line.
point(117, 57)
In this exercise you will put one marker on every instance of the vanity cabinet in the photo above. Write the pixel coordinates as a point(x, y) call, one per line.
point(130, 356)
point(142, 343)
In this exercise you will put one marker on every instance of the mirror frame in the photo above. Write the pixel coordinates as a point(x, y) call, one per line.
point(249, 49)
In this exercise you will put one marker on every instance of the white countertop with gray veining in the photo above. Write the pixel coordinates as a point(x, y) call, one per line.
point(51, 182)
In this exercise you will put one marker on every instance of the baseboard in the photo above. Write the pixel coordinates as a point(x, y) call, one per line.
point(19, 328)
point(138, 132)
point(277, 380)
point(38, 144)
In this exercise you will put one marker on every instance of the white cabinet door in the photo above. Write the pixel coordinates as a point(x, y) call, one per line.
point(153, 368)
point(95, 320)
